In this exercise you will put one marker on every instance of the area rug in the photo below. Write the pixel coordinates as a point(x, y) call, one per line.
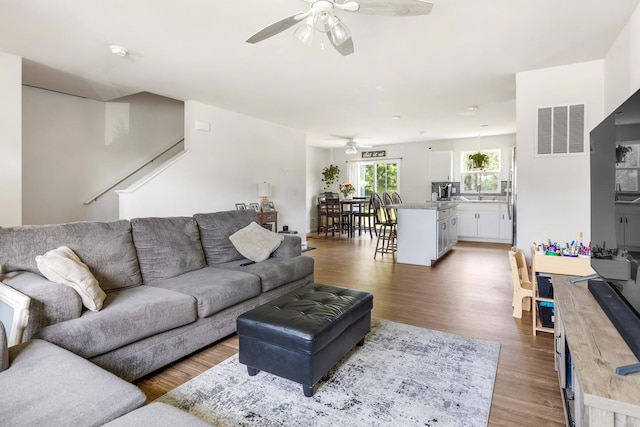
point(402, 376)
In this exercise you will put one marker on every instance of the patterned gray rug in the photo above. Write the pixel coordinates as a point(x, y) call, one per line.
point(402, 376)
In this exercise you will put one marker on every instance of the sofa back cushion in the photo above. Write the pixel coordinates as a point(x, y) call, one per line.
point(215, 229)
point(105, 247)
point(167, 247)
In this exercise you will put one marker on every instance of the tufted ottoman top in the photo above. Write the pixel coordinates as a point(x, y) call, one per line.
point(307, 319)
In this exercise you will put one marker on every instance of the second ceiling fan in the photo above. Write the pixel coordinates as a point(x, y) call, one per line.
point(320, 17)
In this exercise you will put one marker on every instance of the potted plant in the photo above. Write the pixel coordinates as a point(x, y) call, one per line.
point(330, 175)
point(347, 190)
point(478, 160)
point(621, 153)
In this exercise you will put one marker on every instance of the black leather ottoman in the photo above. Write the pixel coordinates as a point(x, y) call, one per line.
point(301, 335)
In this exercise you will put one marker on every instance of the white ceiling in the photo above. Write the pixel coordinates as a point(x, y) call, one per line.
point(427, 69)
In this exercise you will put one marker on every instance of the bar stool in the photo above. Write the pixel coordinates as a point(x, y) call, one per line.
point(386, 243)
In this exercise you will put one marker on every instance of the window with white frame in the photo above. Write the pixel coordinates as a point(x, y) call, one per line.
point(378, 176)
point(486, 180)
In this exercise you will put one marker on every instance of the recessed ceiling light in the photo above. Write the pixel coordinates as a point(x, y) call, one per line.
point(396, 117)
point(119, 50)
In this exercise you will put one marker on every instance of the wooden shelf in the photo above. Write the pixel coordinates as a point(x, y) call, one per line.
point(553, 265)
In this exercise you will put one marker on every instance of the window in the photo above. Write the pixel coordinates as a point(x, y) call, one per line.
point(474, 180)
point(378, 176)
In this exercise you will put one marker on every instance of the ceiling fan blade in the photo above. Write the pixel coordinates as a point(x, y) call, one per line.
point(345, 48)
point(277, 27)
point(395, 7)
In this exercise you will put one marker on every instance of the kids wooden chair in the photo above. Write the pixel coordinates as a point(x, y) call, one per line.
point(522, 286)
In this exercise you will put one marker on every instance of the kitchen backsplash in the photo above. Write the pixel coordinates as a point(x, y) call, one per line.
point(455, 187)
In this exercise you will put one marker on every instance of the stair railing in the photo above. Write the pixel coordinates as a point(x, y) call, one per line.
point(138, 169)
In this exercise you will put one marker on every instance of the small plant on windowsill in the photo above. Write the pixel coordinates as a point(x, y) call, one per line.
point(478, 160)
point(621, 153)
point(330, 175)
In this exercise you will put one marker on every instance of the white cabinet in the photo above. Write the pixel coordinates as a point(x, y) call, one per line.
point(440, 166)
point(506, 223)
point(628, 226)
point(481, 222)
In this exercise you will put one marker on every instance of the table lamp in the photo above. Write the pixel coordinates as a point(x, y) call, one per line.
point(264, 191)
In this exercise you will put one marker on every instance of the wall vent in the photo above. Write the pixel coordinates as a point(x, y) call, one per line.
point(561, 130)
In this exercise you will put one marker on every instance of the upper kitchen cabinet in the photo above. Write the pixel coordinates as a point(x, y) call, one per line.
point(440, 166)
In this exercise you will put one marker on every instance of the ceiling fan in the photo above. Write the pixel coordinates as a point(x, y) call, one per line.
point(351, 146)
point(320, 17)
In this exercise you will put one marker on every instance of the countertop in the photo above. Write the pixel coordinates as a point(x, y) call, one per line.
point(427, 205)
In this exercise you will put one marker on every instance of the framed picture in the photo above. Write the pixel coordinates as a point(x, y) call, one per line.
point(255, 206)
point(268, 207)
point(241, 206)
point(14, 313)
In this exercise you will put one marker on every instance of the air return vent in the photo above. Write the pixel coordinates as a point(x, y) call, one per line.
point(561, 130)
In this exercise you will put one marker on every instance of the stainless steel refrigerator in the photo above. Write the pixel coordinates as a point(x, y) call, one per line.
point(512, 198)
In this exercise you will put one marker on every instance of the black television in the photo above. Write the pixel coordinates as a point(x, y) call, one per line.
point(615, 221)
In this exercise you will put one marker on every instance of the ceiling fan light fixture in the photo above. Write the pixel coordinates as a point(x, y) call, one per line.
point(304, 32)
point(338, 32)
point(350, 150)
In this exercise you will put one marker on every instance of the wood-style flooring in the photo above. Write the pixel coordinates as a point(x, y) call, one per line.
point(468, 293)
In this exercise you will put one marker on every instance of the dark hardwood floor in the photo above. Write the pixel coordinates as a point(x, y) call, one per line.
point(468, 292)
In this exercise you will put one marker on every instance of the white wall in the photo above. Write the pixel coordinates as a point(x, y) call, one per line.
point(11, 139)
point(224, 166)
point(622, 65)
point(553, 193)
point(75, 147)
point(317, 159)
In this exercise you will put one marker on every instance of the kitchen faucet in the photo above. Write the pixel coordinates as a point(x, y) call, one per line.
point(479, 192)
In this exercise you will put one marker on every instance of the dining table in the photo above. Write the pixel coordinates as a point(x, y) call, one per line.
point(350, 207)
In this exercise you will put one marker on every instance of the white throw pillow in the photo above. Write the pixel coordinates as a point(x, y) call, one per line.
point(62, 265)
point(256, 242)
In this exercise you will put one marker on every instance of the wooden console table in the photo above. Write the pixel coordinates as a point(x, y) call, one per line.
point(268, 220)
point(553, 265)
point(583, 330)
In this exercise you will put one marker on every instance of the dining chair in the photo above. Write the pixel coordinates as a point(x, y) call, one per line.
point(330, 217)
point(522, 286)
point(386, 242)
point(364, 216)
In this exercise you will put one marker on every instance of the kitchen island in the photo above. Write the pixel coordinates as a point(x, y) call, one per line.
point(426, 231)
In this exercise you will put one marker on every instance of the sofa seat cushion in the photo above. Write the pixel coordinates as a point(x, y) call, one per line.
point(105, 247)
point(47, 385)
point(214, 288)
point(167, 247)
point(158, 414)
point(275, 272)
point(128, 315)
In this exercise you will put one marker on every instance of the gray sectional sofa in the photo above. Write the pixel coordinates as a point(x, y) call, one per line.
point(173, 286)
